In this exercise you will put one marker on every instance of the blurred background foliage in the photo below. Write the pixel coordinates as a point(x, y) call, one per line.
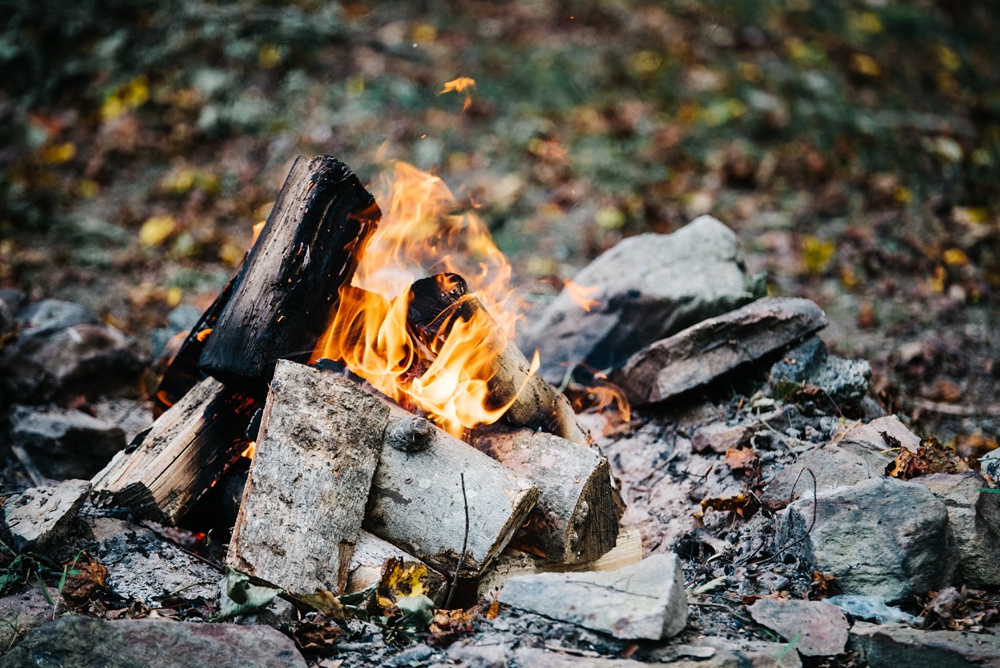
point(854, 145)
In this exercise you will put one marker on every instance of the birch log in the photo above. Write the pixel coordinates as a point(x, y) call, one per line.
point(416, 502)
point(185, 451)
point(576, 517)
point(303, 503)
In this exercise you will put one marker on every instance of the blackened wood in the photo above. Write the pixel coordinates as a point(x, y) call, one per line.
point(576, 517)
point(284, 294)
point(185, 452)
point(320, 440)
point(435, 303)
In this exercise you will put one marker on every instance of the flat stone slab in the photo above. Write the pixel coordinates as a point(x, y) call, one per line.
point(644, 600)
point(881, 537)
point(645, 288)
point(834, 465)
point(817, 628)
point(37, 518)
point(895, 645)
point(702, 353)
point(84, 642)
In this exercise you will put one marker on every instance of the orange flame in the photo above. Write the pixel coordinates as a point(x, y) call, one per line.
point(460, 85)
point(581, 295)
point(249, 450)
point(422, 233)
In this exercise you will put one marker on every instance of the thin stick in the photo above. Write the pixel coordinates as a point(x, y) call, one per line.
point(37, 479)
point(465, 542)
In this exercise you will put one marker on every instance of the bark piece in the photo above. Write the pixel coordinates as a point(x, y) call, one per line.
point(320, 438)
point(576, 517)
point(437, 301)
point(645, 600)
point(714, 347)
point(416, 502)
point(185, 451)
point(37, 518)
point(370, 554)
point(283, 294)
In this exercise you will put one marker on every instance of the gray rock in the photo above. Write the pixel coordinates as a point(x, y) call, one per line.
point(91, 359)
point(719, 437)
point(65, 443)
point(644, 600)
point(53, 315)
point(37, 518)
point(990, 464)
point(834, 465)
point(84, 642)
point(883, 434)
point(537, 657)
point(142, 567)
point(702, 353)
point(881, 537)
point(818, 628)
point(22, 612)
point(843, 381)
point(974, 521)
point(895, 645)
point(647, 288)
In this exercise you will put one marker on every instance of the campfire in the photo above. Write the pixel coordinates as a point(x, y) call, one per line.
point(366, 364)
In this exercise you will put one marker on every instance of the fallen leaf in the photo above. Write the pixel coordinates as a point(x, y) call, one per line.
point(85, 577)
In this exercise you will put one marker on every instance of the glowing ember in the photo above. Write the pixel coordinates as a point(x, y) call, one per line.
point(420, 234)
point(460, 85)
point(581, 295)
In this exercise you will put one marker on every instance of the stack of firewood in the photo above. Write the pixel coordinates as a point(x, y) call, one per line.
point(341, 477)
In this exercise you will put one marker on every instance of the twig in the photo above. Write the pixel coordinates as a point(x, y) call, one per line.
point(465, 542)
point(811, 525)
point(37, 479)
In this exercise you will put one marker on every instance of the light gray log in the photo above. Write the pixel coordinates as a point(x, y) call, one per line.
point(182, 455)
point(304, 500)
point(416, 502)
point(576, 517)
point(370, 554)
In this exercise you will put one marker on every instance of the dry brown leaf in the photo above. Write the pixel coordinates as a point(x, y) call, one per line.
point(86, 578)
point(931, 457)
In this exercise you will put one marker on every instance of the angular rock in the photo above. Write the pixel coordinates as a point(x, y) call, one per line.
point(142, 566)
point(834, 465)
point(881, 537)
point(818, 628)
point(895, 645)
point(84, 642)
point(37, 518)
point(883, 434)
point(974, 521)
point(706, 351)
point(843, 381)
point(52, 315)
point(647, 287)
point(65, 443)
point(990, 464)
point(91, 359)
point(645, 600)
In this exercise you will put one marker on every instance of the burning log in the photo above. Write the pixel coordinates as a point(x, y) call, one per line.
point(284, 292)
point(437, 303)
point(304, 499)
point(576, 518)
point(416, 501)
point(166, 469)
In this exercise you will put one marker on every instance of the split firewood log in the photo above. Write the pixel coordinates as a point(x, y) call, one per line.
point(286, 288)
point(576, 517)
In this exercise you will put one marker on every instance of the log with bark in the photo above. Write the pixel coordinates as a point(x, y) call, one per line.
point(576, 517)
point(435, 304)
point(284, 292)
point(304, 500)
point(167, 468)
point(416, 500)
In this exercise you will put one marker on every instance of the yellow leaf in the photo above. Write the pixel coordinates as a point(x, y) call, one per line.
point(156, 230)
point(866, 65)
point(231, 254)
point(59, 153)
point(609, 218)
point(938, 279)
point(903, 195)
point(818, 255)
point(424, 33)
point(867, 22)
point(971, 215)
point(948, 58)
point(645, 62)
point(269, 56)
point(955, 257)
point(174, 296)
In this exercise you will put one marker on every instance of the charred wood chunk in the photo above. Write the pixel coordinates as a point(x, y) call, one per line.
point(284, 293)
